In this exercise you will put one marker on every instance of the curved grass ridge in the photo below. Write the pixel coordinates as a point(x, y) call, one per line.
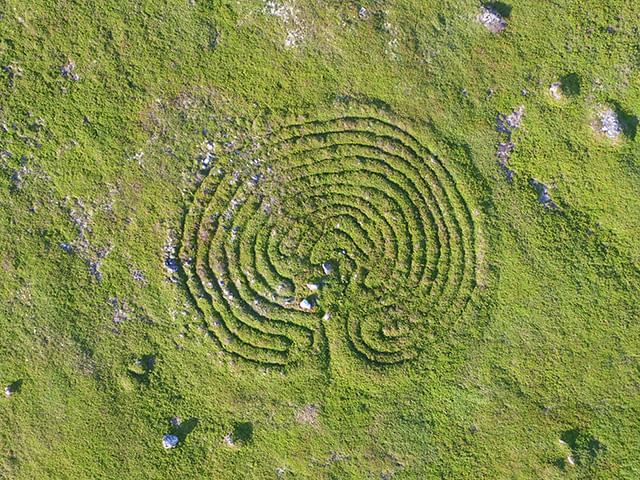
point(357, 191)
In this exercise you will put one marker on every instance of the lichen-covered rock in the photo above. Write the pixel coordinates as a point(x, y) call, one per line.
point(609, 123)
point(491, 19)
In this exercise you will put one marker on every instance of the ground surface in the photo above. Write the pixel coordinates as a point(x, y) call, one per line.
point(461, 185)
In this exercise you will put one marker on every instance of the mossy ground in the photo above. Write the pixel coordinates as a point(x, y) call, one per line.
point(107, 164)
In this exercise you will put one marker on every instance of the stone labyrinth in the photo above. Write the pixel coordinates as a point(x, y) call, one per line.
point(344, 225)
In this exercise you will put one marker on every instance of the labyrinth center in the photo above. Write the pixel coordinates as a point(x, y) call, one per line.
point(349, 221)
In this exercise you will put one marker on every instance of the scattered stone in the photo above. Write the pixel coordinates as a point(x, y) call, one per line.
point(508, 123)
point(95, 265)
point(208, 156)
point(67, 248)
point(121, 310)
point(327, 268)
point(20, 176)
point(543, 194)
point(306, 304)
point(169, 441)
point(504, 154)
point(556, 90)
point(308, 415)
point(68, 71)
point(609, 123)
point(92, 256)
point(289, 16)
point(170, 258)
point(13, 71)
point(491, 19)
point(138, 276)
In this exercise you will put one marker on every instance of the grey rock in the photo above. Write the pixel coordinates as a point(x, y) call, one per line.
point(508, 123)
point(68, 71)
point(327, 268)
point(491, 19)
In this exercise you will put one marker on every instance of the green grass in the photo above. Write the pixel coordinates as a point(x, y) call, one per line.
point(547, 349)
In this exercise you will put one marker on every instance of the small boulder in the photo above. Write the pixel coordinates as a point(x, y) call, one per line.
point(12, 388)
point(543, 194)
point(169, 441)
point(306, 304)
point(327, 268)
point(555, 90)
point(609, 123)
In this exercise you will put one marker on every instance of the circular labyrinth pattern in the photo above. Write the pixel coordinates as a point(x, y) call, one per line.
point(349, 221)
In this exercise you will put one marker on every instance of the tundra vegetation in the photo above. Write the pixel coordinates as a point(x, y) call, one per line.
point(320, 240)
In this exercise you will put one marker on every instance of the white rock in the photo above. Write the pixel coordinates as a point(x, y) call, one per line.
point(571, 461)
point(556, 90)
point(169, 441)
point(7, 391)
point(327, 268)
point(306, 304)
point(313, 287)
point(326, 316)
point(228, 440)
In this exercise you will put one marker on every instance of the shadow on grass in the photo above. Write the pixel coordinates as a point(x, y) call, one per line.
point(571, 84)
point(185, 428)
point(504, 9)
